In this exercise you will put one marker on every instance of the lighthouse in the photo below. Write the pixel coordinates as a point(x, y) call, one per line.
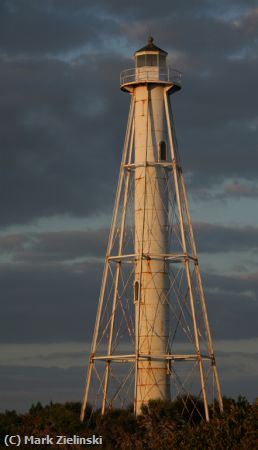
point(151, 316)
point(151, 81)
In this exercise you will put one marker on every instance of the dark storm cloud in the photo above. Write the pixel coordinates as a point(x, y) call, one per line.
point(230, 190)
point(246, 385)
point(216, 123)
point(33, 27)
point(221, 239)
point(62, 121)
point(54, 155)
point(23, 386)
point(54, 246)
point(70, 245)
point(232, 315)
point(58, 302)
point(150, 10)
point(49, 303)
point(234, 284)
point(232, 303)
point(238, 190)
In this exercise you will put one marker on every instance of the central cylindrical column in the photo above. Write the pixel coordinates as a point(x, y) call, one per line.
point(151, 236)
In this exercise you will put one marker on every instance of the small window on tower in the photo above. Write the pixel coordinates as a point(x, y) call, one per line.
point(140, 61)
point(136, 291)
point(162, 60)
point(151, 60)
point(162, 151)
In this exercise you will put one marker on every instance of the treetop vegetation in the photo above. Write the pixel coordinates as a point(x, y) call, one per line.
point(163, 425)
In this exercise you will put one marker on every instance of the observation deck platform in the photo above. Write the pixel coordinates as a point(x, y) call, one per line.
point(158, 75)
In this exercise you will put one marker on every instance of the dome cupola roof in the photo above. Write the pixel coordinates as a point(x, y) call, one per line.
point(151, 47)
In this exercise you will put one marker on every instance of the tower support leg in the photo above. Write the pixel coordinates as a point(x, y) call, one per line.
point(188, 276)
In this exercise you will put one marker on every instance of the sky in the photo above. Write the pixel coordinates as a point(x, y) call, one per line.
point(62, 125)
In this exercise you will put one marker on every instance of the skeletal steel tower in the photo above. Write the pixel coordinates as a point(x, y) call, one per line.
point(152, 338)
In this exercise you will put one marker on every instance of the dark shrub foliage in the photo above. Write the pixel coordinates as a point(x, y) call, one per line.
point(163, 425)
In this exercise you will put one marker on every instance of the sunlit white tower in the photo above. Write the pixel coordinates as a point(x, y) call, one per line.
point(152, 338)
